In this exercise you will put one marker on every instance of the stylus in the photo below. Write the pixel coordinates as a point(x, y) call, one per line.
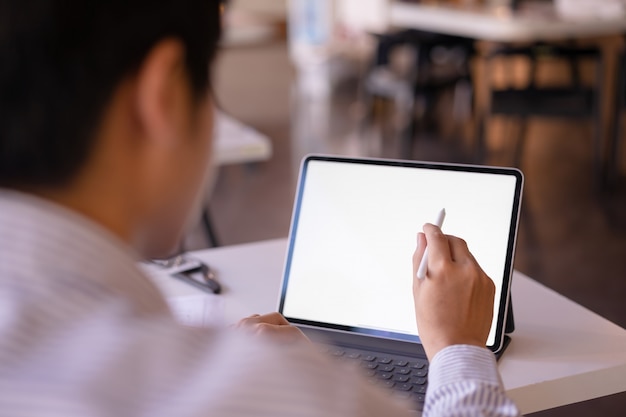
point(421, 271)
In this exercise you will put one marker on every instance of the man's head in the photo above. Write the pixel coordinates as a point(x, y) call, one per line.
point(104, 106)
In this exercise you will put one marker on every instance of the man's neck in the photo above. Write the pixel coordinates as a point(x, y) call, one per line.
point(95, 203)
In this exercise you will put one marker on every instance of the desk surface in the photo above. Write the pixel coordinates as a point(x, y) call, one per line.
point(483, 24)
point(236, 143)
point(560, 353)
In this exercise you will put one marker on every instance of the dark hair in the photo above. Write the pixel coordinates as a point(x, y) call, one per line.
point(60, 62)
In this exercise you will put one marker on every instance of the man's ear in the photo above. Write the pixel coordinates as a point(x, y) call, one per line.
point(160, 88)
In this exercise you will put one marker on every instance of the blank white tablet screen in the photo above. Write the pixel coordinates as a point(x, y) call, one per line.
point(356, 234)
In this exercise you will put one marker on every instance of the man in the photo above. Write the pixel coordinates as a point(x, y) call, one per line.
point(105, 122)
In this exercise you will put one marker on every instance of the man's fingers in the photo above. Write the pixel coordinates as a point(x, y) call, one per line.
point(284, 333)
point(273, 318)
point(270, 318)
point(247, 321)
point(273, 325)
point(438, 247)
point(459, 251)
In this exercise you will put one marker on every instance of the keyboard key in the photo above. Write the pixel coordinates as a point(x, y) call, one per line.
point(337, 352)
point(403, 371)
point(354, 355)
point(368, 358)
point(385, 375)
point(385, 360)
point(418, 381)
point(418, 365)
point(420, 389)
point(370, 373)
point(401, 363)
point(386, 368)
point(369, 365)
point(421, 373)
point(405, 387)
point(401, 378)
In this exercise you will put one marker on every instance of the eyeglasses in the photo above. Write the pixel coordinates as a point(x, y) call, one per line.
point(190, 271)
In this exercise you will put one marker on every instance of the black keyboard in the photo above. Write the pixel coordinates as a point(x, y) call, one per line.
point(406, 377)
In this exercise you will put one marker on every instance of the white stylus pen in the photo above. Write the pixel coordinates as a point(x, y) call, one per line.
point(421, 271)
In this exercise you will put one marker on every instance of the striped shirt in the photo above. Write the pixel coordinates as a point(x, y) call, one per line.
point(84, 333)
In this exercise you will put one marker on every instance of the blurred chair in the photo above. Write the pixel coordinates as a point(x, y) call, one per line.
point(573, 100)
point(439, 63)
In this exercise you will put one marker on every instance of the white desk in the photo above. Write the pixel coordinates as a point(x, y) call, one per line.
point(499, 26)
point(561, 353)
point(236, 143)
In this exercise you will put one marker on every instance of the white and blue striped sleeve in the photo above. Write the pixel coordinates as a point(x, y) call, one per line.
point(463, 381)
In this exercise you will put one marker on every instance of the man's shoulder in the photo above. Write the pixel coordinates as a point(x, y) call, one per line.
point(50, 251)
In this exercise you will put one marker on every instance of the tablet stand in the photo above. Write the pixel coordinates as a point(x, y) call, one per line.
point(509, 327)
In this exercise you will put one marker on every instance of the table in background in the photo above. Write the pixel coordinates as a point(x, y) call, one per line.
point(237, 143)
point(534, 22)
point(499, 24)
point(561, 353)
point(233, 143)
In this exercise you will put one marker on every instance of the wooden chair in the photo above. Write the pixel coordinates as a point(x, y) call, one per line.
point(573, 100)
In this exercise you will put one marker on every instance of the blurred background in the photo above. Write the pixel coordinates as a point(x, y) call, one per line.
point(535, 84)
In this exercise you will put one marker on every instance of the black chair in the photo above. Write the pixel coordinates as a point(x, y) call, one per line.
point(573, 100)
point(441, 62)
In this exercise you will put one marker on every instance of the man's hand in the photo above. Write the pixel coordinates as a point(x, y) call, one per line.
point(273, 325)
point(454, 303)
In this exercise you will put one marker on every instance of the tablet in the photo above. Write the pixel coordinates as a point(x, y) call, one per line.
point(353, 234)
